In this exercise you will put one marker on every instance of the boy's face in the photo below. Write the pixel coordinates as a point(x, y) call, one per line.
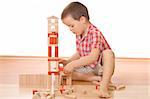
point(76, 26)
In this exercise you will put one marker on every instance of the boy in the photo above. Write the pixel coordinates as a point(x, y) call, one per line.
point(94, 60)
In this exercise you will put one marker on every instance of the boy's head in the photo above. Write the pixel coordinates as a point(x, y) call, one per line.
point(76, 17)
point(76, 10)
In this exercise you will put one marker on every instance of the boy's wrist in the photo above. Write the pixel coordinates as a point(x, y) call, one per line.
point(68, 61)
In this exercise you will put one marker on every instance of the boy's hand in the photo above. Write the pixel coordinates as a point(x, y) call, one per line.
point(69, 68)
point(63, 61)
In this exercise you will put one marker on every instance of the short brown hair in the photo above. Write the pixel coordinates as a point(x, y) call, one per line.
point(76, 10)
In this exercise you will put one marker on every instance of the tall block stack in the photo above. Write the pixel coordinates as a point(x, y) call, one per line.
point(53, 70)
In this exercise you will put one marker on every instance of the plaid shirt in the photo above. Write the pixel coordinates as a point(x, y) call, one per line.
point(93, 39)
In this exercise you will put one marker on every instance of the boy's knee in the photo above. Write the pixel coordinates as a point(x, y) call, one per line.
point(108, 52)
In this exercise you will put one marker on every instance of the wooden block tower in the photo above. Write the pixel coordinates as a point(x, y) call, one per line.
point(53, 70)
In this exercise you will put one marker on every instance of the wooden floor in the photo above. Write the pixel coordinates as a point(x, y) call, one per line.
point(134, 73)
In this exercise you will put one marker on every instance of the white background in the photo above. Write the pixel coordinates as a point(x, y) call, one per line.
point(124, 23)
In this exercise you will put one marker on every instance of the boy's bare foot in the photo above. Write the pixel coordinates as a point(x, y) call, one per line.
point(103, 89)
point(104, 92)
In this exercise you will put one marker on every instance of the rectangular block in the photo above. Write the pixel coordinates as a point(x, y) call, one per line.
point(49, 51)
point(53, 59)
point(53, 38)
point(53, 66)
point(53, 34)
point(55, 73)
point(69, 80)
point(53, 51)
point(33, 80)
point(52, 27)
point(56, 51)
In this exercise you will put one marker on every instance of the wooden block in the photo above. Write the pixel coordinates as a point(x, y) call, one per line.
point(54, 66)
point(36, 96)
point(49, 50)
point(48, 81)
point(21, 81)
point(120, 87)
point(69, 80)
point(70, 96)
point(112, 87)
point(33, 80)
point(56, 50)
point(60, 79)
point(49, 97)
point(68, 91)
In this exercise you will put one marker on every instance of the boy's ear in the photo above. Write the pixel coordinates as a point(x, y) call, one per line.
point(82, 19)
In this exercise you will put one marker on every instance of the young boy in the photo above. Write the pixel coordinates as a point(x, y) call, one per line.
point(94, 60)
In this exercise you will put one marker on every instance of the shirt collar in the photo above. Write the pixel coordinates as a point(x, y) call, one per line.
point(86, 33)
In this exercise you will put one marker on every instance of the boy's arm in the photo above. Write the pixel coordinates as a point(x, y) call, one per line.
point(73, 57)
point(86, 60)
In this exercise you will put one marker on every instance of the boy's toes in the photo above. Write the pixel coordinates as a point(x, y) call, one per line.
point(104, 95)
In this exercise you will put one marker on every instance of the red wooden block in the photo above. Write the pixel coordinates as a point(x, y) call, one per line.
point(53, 38)
point(34, 91)
point(53, 33)
point(56, 51)
point(49, 51)
point(62, 89)
point(61, 68)
point(55, 73)
point(53, 59)
point(97, 87)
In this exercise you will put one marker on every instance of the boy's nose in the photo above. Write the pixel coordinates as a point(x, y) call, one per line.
point(71, 29)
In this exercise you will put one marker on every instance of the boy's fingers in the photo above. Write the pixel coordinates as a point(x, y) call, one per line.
point(67, 72)
point(60, 60)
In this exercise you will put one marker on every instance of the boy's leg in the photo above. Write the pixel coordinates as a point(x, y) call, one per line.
point(108, 61)
point(85, 76)
point(85, 73)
